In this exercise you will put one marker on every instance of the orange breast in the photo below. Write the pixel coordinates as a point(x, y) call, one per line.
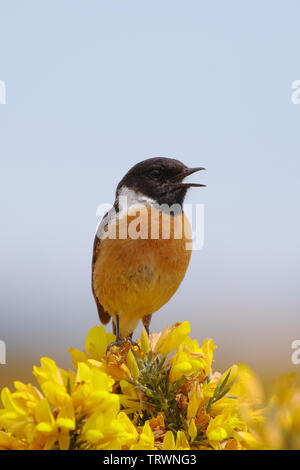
point(136, 277)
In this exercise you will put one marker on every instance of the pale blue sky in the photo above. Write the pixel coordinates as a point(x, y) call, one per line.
point(94, 87)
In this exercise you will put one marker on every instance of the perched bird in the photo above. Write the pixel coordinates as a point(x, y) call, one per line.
point(138, 261)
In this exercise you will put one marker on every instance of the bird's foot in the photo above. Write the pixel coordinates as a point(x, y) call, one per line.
point(122, 342)
point(133, 343)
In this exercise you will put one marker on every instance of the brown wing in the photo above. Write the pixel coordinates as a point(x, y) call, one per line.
point(103, 315)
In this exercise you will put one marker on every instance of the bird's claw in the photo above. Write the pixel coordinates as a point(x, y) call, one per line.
point(121, 342)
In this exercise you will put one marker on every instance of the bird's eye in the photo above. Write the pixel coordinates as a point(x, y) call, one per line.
point(155, 173)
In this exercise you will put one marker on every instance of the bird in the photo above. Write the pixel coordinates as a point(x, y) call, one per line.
point(134, 275)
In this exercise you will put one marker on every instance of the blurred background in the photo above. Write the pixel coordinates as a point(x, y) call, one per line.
point(94, 87)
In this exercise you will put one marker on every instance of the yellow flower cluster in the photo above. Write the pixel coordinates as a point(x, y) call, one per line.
point(158, 394)
point(280, 427)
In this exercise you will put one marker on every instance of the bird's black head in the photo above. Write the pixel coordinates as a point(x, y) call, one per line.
point(159, 179)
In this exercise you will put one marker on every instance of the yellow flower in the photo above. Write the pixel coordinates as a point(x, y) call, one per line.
point(277, 425)
point(192, 430)
point(247, 386)
point(18, 414)
point(180, 365)
point(105, 427)
point(109, 430)
point(97, 341)
point(132, 364)
point(207, 350)
point(222, 426)
point(129, 432)
point(78, 356)
point(50, 372)
point(190, 358)
point(92, 391)
point(172, 337)
point(27, 415)
point(248, 440)
point(169, 441)
point(8, 442)
point(54, 383)
point(111, 392)
point(96, 344)
point(180, 444)
point(195, 398)
point(129, 398)
point(146, 439)
point(144, 341)
point(226, 405)
point(50, 429)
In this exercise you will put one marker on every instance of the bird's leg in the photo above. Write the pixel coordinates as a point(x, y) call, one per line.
point(146, 322)
point(130, 340)
point(119, 341)
point(116, 328)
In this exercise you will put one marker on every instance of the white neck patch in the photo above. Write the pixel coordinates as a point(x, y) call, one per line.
point(128, 200)
point(128, 197)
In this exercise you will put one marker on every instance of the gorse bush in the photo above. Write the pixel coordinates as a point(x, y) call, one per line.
point(160, 394)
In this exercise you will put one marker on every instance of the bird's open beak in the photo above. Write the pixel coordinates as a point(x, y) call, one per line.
point(177, 181)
